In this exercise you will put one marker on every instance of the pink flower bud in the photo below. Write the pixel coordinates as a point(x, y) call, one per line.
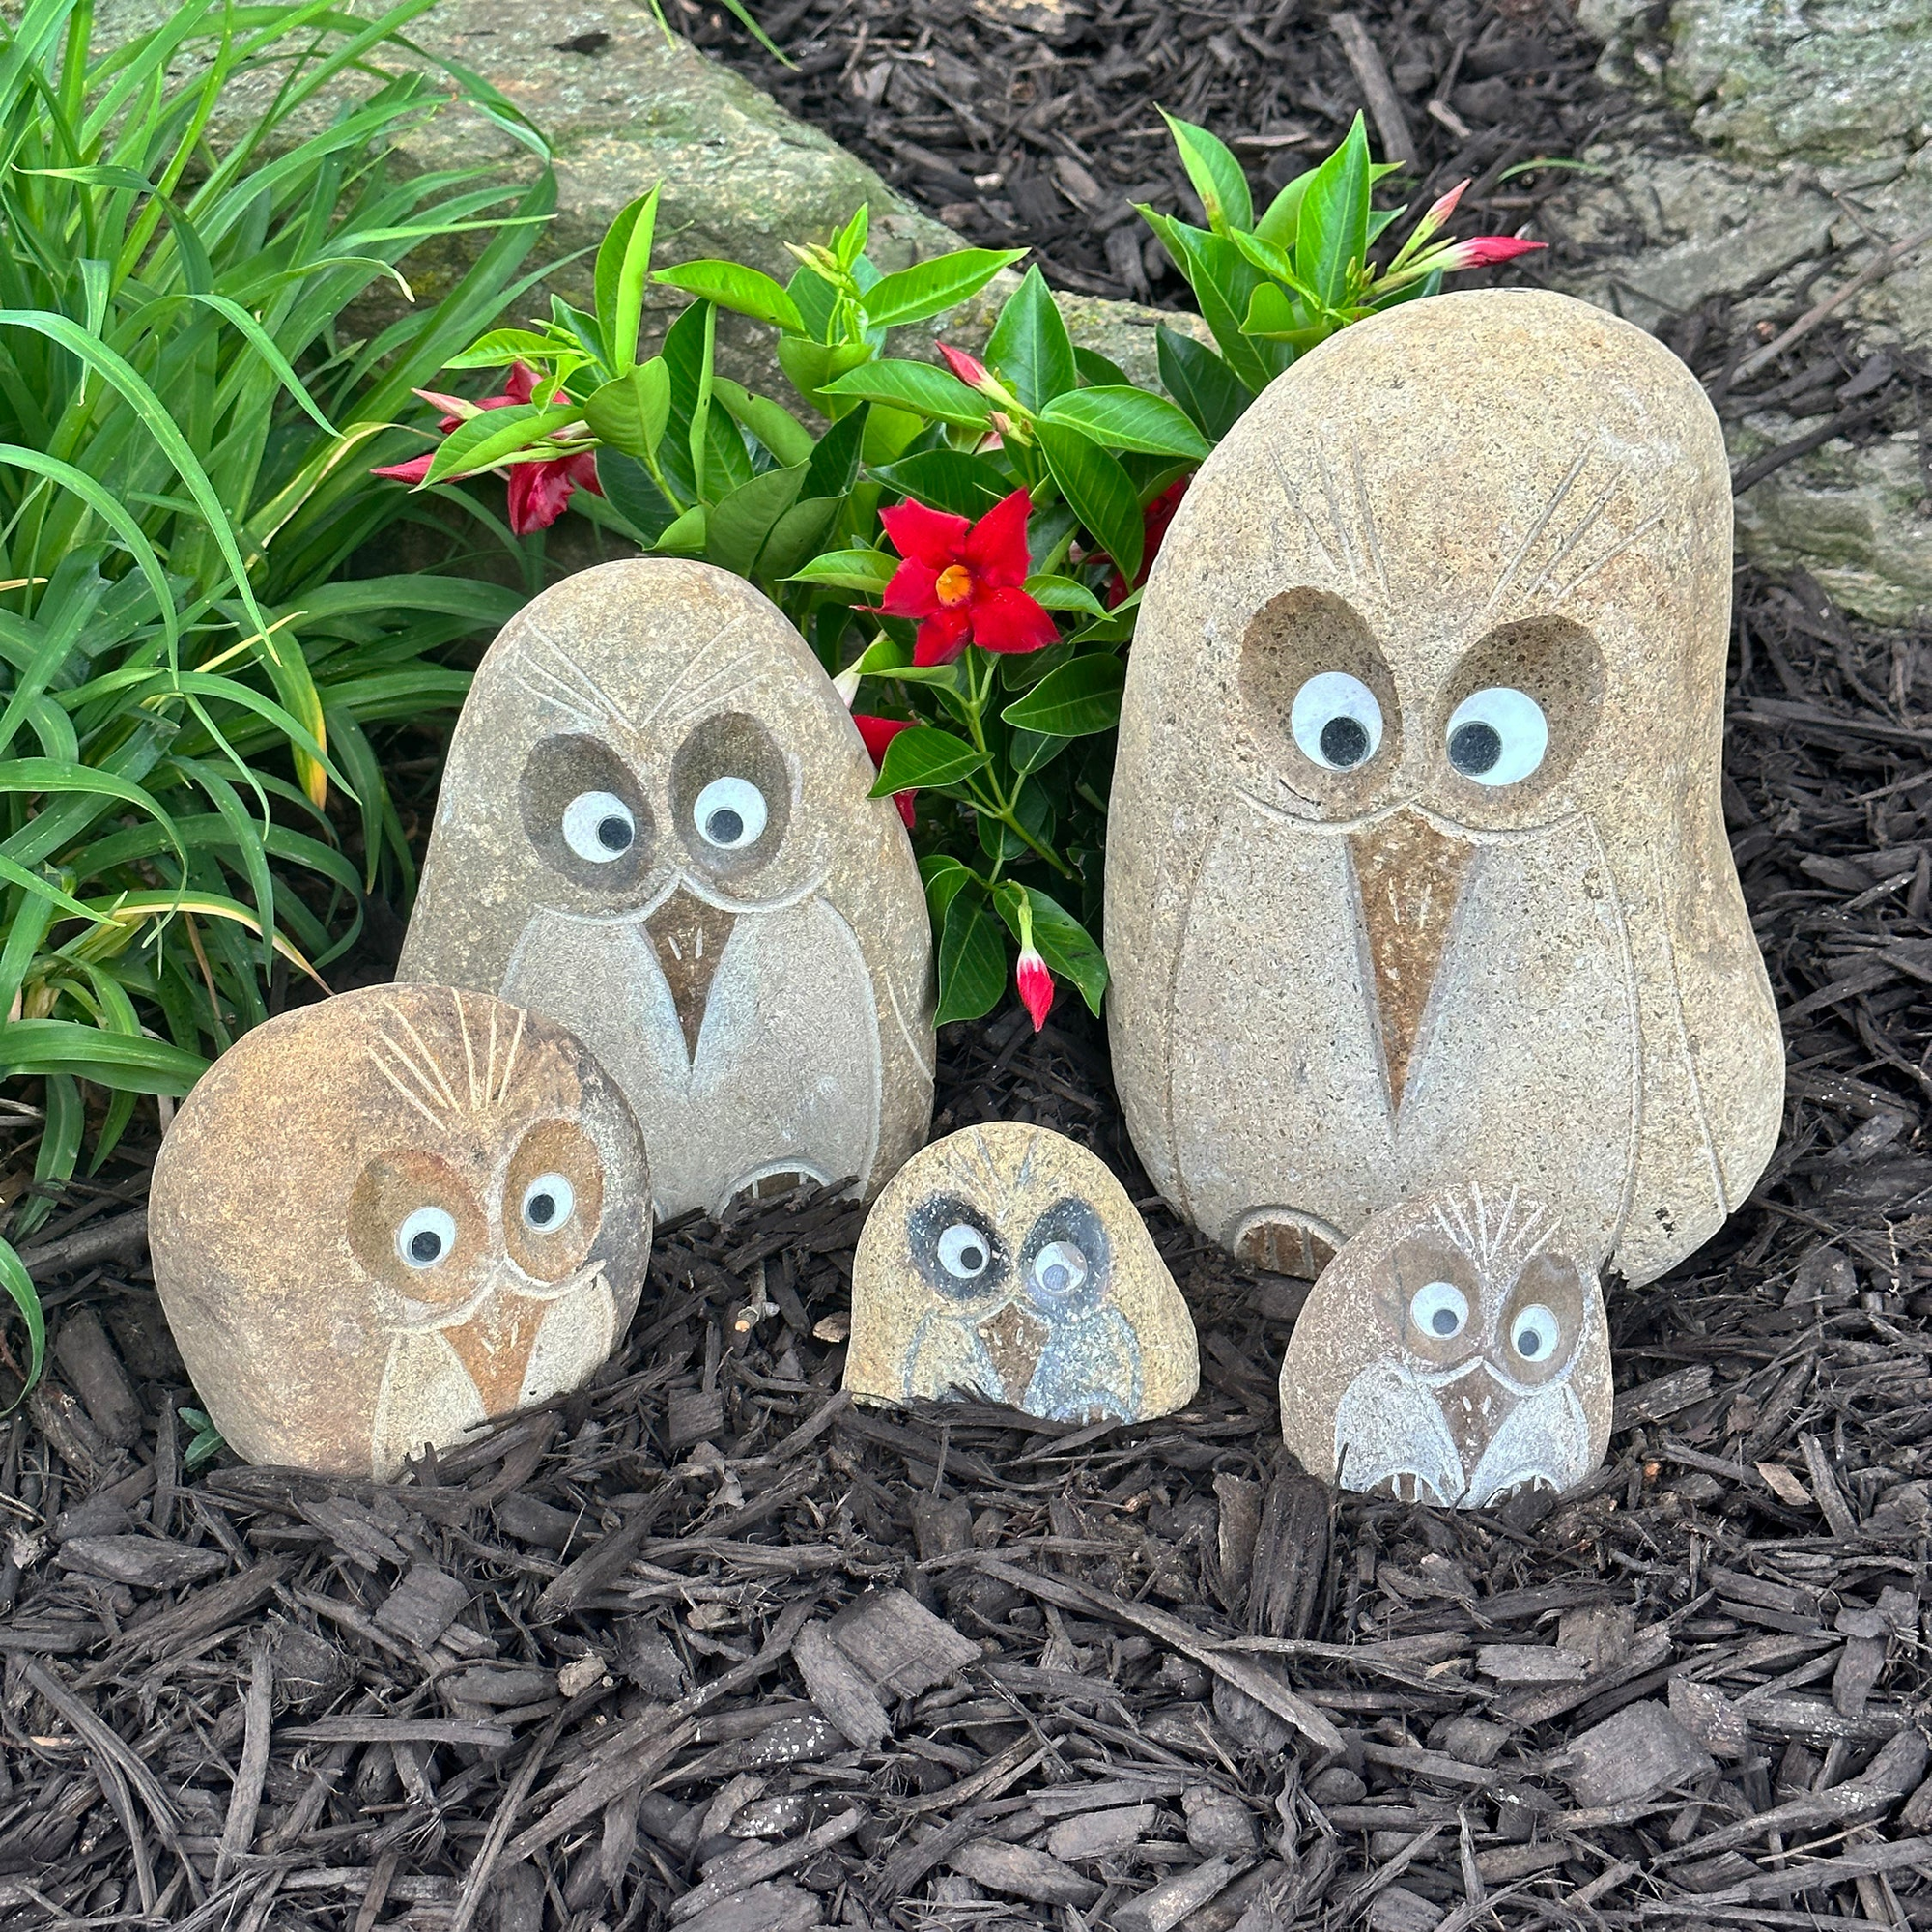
point(968, 368)
point(1036, 986)
point(1441, 209)
point(1482, 251)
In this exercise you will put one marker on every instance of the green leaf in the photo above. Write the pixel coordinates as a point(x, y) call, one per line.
point(1333, 229)
point(1065, 593)
point(833, 465)
point(502, 346)
point(623, 267)
point(1030, 349)
point(487, 438)
point(972, 955)
point(734, 286)
point(944, 479)
point(1033, 751)
point(631, 412)
point(797, 533)
point(776, 428)
point(684, 535)
point(1128, 418)
point(1066, 945)
point(1096, 372)
point(1101, 492)
point(26, 1298)
point(1214, 396)
point(923, 757)
point(114, 1060)
point(1222, 279)
point(930, 288)
point(736, 530)
point(1216, 175)
point(1075, 701)
point(944, 878)
point(867, 571)
point(809, 365)
point(919, 387)
point(1284, 213)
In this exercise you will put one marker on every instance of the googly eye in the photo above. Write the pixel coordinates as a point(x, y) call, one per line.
point(963, 1252)
point(1060, 1267)
point(598, 826)
point(1336, 720)
point(1498, 737)
point(1438, 1309)
point(549, 1201)
point(425, 1238)
point(1535, 1333)
point(729, 814)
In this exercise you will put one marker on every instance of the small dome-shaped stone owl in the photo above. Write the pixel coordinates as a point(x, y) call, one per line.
point(654, 829)
point(382, 1219)
point(1005, 1261)
point(1455, 1351)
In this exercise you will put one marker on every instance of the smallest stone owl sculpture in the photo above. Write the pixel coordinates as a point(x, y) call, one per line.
point(1004, 1261)
point(1455, 1351)
point(380, 1221)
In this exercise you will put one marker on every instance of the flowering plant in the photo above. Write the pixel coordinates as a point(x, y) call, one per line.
point(968, 539)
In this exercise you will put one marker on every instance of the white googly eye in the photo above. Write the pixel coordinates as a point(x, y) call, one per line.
point(963, 1252)
point(426, 1237)
point(1497, 736)
point(1060, 1267)
point(1336, 720)
point(598, 826)
point(729, 814)
point(549, 1201)
point(1535, 1333)
point(1438, 1309)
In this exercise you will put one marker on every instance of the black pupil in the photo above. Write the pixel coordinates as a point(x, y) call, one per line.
point(1474, 748)
point(425, 1246)
point(1056, 1276)
point(1444, 1321)
point(972, 1260)
point(724, 827)
point(1531, 1344)
point(613, 834)
point(1345, 741)
point(542, 1210)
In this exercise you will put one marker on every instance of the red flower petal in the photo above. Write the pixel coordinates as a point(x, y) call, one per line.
point(997, 548)
point(911, 593)
point(968, 368)
point(518, 387)
point(943, 638)
point(879, 733)
point(538, 494)
point(929, 537)
point(1482, 252)
point(582, 468)
point(411, 472)
point(1036, 986)
point(1010, 620)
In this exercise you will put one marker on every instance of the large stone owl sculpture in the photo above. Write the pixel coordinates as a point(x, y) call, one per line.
point(380, 1220)
point(1415, 863)
point(654, 829)
point(1454, 1352)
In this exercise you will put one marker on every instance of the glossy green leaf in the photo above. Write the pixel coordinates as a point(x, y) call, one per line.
point(26, 1298)
point(1030, 349)
point(1075, 701)
point(972, 955)
point(1333, 228)
point(946, 479)
point(39, 1047)
point(944, 878)
point(737, 527)
point(487, 439)
point(930, 288)
point(1284, 213)
point(631, 414)
point(781, 432)
point(1222, 279)
point(917, 386)
point(924, 758)
point(1215, 173)
point(1066, 945)
point(1214, 396)
point(734, 286)
point(501, 346)
point(623, 268)
point(867, 571)
point(1065, 593)
point(1128, 418)
point(1100, 492)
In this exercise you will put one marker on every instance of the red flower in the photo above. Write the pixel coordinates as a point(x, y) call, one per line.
point(538, 491)
point(1482, 251)
point(1155, 520)
point(878, 734)
point(963, 580)
point(1036, 986)
point(968, 368)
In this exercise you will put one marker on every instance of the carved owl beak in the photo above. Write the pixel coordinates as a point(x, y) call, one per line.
point(1408, 876)
point(689, 935)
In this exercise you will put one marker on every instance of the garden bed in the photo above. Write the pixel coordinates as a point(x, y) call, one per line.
point(559, 1676)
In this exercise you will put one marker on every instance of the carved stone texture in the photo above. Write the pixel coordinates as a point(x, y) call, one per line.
point(381, 1220)
point(654, 830)
point(1454, 1352)
point(1415, 863)
point(1006, 1262)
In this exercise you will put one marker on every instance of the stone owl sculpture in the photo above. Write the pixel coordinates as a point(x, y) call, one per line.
point(382, 1219)
point(1415, 863)
point(654, 830)
point(1005, 1261)
point(1453, 1352)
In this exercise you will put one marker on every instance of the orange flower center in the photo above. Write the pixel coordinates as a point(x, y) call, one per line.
point(954, 584)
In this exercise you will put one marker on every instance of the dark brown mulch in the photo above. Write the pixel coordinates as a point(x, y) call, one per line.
point(706, 1647)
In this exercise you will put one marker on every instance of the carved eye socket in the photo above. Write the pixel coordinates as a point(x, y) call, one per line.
point(549, 1201)
point(1497, 736)
point(963, 1252)
point(425, 1238)
point(729, 814)
point(1439, 1310)
point(1336, 720)
point(598, 826)
point(1059, 1269)
point(1535, 1333)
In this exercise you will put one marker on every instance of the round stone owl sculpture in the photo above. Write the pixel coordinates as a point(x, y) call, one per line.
point(1415, 861)
point(1453, 1352)
point(654, 829)
point(381, 1220)
point(1006, 1262)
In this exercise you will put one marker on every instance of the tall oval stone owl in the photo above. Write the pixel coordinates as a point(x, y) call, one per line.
point(654, 830)
point(378, 1220)
point(1415, 863)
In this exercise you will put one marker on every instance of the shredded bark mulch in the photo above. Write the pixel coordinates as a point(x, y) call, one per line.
point(705, 1646)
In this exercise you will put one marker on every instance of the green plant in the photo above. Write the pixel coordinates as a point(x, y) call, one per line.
point(185, 428)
